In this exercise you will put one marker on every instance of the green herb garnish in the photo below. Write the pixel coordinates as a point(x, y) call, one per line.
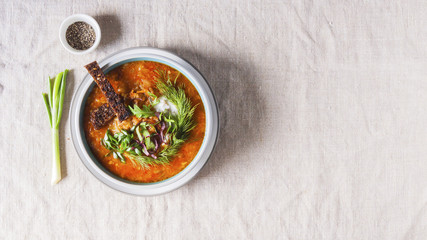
point(145, 112)
point(123, 145)
point(145, 148)
point(54, 101)
point(184, 119)
point(118, 143)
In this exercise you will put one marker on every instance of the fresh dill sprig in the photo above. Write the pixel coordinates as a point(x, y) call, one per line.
point(184, 118)
point(171, 150)
point(146, 161)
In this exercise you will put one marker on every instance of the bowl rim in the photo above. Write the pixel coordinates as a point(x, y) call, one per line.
point(77, 18)
point(211, 133)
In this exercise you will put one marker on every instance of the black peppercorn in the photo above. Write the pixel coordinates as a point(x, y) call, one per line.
point(80, 35)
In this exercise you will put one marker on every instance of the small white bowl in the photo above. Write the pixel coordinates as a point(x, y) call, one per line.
point(79, 18)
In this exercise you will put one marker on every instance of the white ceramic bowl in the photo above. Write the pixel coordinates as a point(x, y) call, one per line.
point(79, 18)
point(209, 141)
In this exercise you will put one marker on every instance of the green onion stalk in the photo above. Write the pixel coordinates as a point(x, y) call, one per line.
point(54, 101)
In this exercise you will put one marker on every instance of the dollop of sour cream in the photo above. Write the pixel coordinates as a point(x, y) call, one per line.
point(166, 105)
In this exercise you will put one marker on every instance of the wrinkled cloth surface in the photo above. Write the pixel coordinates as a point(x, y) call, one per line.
point(323, 121)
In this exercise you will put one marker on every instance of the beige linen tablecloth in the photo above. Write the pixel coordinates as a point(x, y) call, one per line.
point(323, 121)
